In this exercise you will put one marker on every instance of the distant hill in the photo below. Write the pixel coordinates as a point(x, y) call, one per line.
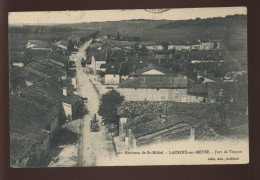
point(228, 21)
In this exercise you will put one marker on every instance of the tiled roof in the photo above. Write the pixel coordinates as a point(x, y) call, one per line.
point(27, 74)
point(47, 68)
point(50, 90)
point(152, 123)
point(198, 88)
point(100, 56)
point(59, 58)
point(113, 68)
point(127, 68)
point(21, 144)
point(156, 82)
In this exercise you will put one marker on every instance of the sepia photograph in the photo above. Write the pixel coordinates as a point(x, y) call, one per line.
point(129, 87)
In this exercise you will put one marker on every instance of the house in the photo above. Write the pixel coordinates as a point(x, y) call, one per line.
point(31, 130)
point(112, 73)
point(59, 60)
point(196, 45)
point(63, 44)
point(155, 128)
point(45, 67)
point(54, 91)
point(207, 78)
point(180, 46)
point(154, 47)
point(207, 45)
point(202, 45)
point(24, 77)
point(197, 92)
point(38, 46)
point(32, 43)
point(96, 60)
point(18, 64)
point(155, 88)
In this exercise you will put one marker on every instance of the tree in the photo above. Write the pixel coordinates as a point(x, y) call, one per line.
point(223, 103)
point(165, 45)
point(108, 107)
point(118, 37)
point(28, 56)
point(70, 47)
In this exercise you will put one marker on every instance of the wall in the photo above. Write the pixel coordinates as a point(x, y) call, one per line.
point(112, 79)
point(153, 72)
point(67, 109)
point(98, 64)
point(54, 124)
point(171, 134)
point(131, 94)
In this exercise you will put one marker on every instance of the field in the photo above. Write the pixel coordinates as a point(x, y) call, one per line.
point(146, 30)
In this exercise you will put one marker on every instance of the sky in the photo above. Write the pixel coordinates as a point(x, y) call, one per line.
point(63, 17)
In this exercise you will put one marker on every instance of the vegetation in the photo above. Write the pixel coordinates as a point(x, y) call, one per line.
point(235, 20)
point(70, 47)
point(81, 110)
point(108, 107)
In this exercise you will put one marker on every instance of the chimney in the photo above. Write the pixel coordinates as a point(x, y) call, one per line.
point(64, 91)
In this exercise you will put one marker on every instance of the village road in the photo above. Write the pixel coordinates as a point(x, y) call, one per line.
point(96, 147)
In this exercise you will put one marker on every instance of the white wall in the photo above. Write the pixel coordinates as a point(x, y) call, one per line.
point(67, 109)
point(153, 72)
point(98, 64)
point(112, 79)
point(131, 94)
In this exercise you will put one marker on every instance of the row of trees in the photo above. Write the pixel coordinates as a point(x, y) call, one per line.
point(230, 21)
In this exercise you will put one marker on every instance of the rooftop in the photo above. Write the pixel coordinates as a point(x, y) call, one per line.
point(152, 67)
point(151, 123)
point(156, 82)
point(113, 68)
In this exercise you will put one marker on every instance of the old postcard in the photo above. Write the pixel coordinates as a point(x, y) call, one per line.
point(128, 87)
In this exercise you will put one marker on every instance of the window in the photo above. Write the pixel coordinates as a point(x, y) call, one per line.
point(221, 92)
point(176, 90)
point(157, 89)
point(114, 75)
point(135, 88)
point(162, 97)
point(176, 96)
point(197, 97)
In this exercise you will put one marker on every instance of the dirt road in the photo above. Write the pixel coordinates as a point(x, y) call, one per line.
point(96, 148)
